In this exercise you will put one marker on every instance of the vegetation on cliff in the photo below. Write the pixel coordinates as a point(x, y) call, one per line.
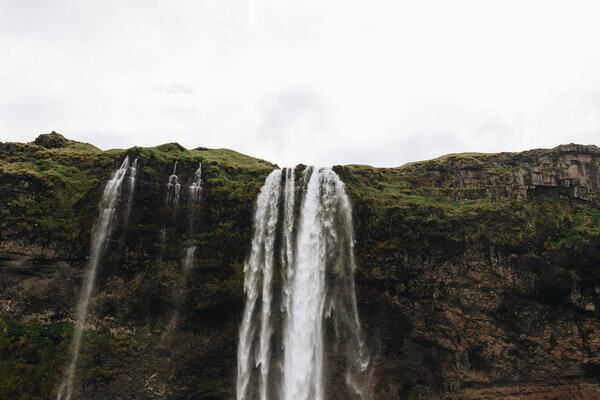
point(473, 270)
point(450, 248)
point(50, 190)
point(50, 187)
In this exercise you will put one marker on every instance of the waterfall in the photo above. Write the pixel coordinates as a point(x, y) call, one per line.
point(128, 200)
point(303, 336)
point(316, 295)
point(173, 188)
point(260, 263)
point(196, 186)
point(102, 229)
point(195, 195)
point(130, 187)
point(173, 193)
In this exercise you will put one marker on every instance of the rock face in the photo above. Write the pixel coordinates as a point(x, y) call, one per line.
point(572, 168)
point(497, 295)
point(478, 275)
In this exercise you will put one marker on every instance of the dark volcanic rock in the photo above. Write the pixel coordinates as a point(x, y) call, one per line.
point(573, 169)
point(477, 275)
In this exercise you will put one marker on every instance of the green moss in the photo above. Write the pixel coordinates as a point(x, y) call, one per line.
point(52, 192)
point(403, 217)
point(30, 356)
point(561, 231)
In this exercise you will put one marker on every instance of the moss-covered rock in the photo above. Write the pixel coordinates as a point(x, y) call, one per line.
point(52, 140)
point(477, 274)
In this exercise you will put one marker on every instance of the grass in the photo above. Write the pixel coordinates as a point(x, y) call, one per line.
point(51, 192)
point(419, 212)
point(30, 356)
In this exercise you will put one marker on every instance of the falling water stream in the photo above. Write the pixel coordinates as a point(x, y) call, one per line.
point(195, 194)
point(196, 186)
point(102, 229)
point(130, 189)
point(311, 247)
point(173, 188)
point(299, 285)
point(127, 197)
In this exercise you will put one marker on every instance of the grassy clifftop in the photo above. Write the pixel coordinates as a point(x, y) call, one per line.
point(50, 186)
point(543, 201)
point(477, 269)
point(49, 191)
point(474, 271)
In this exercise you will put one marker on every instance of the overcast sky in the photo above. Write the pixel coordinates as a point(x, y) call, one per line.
point(312, 81)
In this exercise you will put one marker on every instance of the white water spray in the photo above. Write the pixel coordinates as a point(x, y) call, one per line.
point(173, 188)
point(102, 229)
point(131, 183)
point(195, 195)
point(132, 172)
point(317, 264)
point(196, 186)
point(259, 264)
point(303, 336)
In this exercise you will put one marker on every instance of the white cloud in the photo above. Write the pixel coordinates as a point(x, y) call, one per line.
point(317, 81)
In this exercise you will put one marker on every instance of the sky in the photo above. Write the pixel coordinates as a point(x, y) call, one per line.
point(314, 81)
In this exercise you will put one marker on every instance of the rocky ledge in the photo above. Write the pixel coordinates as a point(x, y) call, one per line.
point(571, 168)
point(477, 274)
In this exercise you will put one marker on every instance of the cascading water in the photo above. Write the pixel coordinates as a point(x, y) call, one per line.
point(258, 268)
point(102, 229)
point(316, 297)
point(196, 186)
point(130, 187)
point(303, 333)
point(127, 196)
point(173, 193)
point(195, 194)
point(173, 188)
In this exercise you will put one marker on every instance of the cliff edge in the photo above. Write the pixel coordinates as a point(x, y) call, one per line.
point(477, 274)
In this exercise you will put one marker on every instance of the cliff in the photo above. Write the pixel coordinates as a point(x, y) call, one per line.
point(477, 273)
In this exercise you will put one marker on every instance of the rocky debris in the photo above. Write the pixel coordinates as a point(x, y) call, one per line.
point(33, 285)
point(21, 246)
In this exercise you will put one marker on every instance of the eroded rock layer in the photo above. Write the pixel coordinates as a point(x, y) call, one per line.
point(477, 275)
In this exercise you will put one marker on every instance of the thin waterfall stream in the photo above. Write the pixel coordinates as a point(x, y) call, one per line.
point(287, 327)
point(194, 197)
point(173, 188)
point(102, 229)
point(195, 194)
point(132, 172)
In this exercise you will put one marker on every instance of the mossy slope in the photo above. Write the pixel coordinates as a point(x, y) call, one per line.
point(473, 270)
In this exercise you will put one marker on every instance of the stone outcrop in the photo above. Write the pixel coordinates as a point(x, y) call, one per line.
point(573, 169)
point(51, 140)
point(477, 275)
